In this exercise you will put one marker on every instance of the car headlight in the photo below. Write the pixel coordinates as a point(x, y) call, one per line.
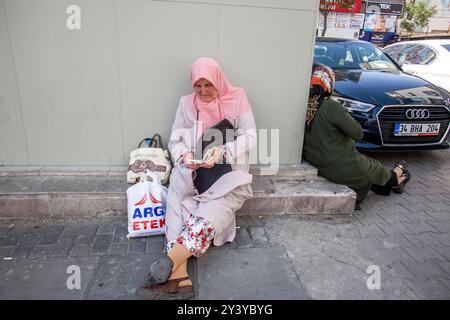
point(354, 105)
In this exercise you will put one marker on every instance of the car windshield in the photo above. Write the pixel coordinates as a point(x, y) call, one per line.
point(352, 55)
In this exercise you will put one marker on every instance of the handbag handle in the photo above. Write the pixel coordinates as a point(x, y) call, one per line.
point(147, 139)
point(157, 138)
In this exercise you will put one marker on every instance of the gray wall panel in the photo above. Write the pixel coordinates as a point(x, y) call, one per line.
point(88, 96)
point(159, 40)
point(13, 149)
point(269, 58)
point(280, 4)
point(68, 81)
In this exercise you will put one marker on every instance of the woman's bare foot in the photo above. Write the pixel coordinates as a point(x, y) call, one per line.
point(400, 177)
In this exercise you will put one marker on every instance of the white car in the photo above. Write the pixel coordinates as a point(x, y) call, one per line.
point(428, 59)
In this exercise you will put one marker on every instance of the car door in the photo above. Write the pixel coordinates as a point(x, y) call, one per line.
point(419, 60)
point(394, 50)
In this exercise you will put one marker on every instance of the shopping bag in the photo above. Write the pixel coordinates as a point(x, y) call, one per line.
point(146, 207)
point(152, 157)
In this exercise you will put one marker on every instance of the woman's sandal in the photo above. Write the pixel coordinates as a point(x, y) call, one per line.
point(401, 164)
point(168, 290)
point(402, 185)
point(160, 271)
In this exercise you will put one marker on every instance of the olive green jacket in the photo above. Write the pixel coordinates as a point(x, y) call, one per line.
point(330, 147)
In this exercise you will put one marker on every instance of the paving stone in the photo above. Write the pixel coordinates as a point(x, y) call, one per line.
point(445, 282)
point(30, 239)
point(73, 230)
point(443, 251)
point(445, 266)
point(384, 257)
point(4, 230)
point(21, 251)
point(436, 198)
point(35, 229)
point(13, 237)
point(424, 254)
point(117, 277)
point(258, 236)
point(429, 289)
point(426, 239)
point(106, 228)
point(441, 216)
point(242, 268)
point(375, 242)
point(368, 218)
point(420, 215)
point(420, 227)
point(87, 235)
point(42, 251)
point(5, 251)
point(62, 247)
point(250, 221)
point(243, 239)
point(118, 248)
point(80, 250)
point(370, 230)
point(425, 270)
point(51, 234)
point(394, 217)
point(438, 206)
point(156, 244)
point(102, 244)
point(394, 228)
point(396, 241)
point(441, 226)
point(25, 279)
point(137, 246)
point(443, 238)
point(120, 235)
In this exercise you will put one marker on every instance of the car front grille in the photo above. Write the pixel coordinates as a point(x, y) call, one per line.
point(390, 115)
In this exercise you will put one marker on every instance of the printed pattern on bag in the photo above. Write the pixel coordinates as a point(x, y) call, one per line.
point(146, 208)
point(140, 166)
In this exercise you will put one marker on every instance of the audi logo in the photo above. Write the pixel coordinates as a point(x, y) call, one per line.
point(417, 114)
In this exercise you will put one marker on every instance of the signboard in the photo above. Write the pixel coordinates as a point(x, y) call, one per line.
point(376, 7)
point(332, 6)
point(380, 23)
point(342, 25)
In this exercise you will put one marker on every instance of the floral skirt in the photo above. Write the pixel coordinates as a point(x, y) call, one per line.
point(196, 236)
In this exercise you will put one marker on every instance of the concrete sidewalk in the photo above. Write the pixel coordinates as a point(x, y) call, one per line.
point(405, 239)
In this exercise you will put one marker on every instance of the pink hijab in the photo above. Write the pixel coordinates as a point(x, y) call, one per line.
point(230, 103)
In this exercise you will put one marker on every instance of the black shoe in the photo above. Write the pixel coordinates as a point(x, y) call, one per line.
point(402, 165)
point(402, 185)
point(160, 271)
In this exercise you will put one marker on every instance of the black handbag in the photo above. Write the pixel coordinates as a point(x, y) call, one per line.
point(207, 176)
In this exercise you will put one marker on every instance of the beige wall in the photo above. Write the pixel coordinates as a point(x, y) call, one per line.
point(88, 96)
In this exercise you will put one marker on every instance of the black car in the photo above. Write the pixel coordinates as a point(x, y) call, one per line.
point(396, 110)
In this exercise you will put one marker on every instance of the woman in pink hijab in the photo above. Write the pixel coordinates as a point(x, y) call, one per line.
point(210, 181)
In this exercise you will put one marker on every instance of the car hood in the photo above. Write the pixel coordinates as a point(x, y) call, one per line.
point(386, 88)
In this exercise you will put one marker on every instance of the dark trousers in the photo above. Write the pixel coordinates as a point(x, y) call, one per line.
point(386, 189)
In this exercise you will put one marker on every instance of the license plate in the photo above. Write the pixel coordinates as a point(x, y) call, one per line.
point(417, 129)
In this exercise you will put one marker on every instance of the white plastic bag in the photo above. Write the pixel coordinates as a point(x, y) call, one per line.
point(146, 207)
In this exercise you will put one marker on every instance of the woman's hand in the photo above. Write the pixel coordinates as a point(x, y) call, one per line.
point(186, 160)
point(215, 157)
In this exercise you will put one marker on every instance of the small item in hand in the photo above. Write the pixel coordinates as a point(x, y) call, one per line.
point(206, 156)
point(194, 161)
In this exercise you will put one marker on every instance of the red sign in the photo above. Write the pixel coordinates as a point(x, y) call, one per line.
point(333, 6)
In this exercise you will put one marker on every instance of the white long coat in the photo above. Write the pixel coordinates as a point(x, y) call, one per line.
point(220, 202)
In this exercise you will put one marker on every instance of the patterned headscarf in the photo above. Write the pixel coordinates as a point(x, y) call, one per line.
point(321, 86)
